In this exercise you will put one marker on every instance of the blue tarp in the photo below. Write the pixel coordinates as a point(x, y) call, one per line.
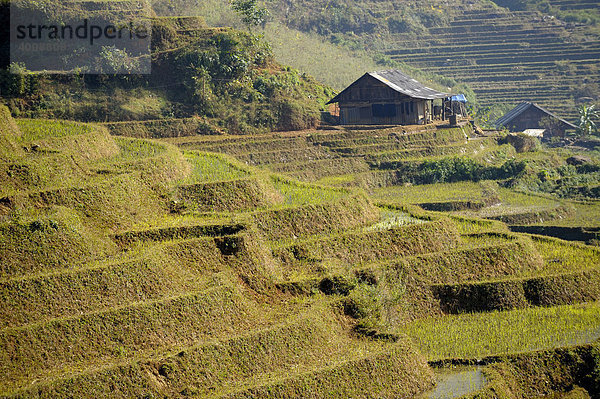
point(459, 97)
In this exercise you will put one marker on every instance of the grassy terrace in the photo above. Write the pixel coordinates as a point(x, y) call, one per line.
point(213, 167)
point(561, 256)
point(463, 191)
point(490, 39)
point(301, 194)
point(473, 336)
point(217, 278)
point(149, 302)
point(503, 199)
point(35, 129)
point(586, 214)
point(484, 52)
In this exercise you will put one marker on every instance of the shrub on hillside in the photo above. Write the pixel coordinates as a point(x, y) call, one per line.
point(221, 74)
point(521, 142)
point(16, 81)
point(460, 169)
point(297, 115)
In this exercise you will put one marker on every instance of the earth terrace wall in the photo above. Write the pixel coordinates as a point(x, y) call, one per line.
point(96, 144)
point(39, 350)
point(537, 374)
point(50, 243)
point(116, 201)
point(291, 223)
point(162, 270)
point(209, 369)
point(360, 247)
point(226, 196)
point(396, 372)
point(553, 290)
point(9, 136)
point(534, 216)
point(564, 233)
point(314, 170)
point(420, 274)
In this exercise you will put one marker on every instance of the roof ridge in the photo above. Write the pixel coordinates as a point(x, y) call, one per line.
point(399, 82)
point(522, 107)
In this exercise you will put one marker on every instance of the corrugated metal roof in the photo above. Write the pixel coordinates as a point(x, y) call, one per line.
point(401, 83)
point(406, 85)
point(519, 109)
point(513, 113)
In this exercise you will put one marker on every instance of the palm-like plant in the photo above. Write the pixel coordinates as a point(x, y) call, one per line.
point(587, 117)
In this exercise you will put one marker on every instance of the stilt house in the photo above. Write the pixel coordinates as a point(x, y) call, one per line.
point(386, 98)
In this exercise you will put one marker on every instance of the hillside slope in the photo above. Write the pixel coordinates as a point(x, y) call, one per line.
point(227, 78)
point(506, 56)
point(148, 270)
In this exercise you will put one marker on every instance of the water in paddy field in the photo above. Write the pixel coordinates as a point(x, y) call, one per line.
point(453, 383)
point(456, 382)
point(587, 336)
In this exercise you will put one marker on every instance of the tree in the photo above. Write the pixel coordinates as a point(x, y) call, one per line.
point(252, 14)
point(587, 117)
point(114, 60)
point(16, 81)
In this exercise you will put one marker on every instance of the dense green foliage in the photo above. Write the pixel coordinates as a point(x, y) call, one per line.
point(458, 169)
point(588, 116)
point(251, 13)
point(226, 76)
point(351, 17)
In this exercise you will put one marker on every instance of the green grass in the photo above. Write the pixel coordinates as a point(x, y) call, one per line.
point(587, 214)
point(296, 193)
point(39, 129)
point(516, 198)
point(337, 180)
point(82, 314)
point(441, 192)
point(212, 167)
point(133, 149)
point(143, 104)
point(473, 226)
point(515, 203)
point(483, 334)
point(308, 52)
point(393, 218)
point(561, 256)
point(467, 191)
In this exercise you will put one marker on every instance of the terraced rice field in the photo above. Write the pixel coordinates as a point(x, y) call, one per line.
point(504, 56)
point(480, 335)
point(509, 57)
point(157, 271)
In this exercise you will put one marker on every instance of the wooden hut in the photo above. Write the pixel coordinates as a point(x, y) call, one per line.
point(529, 115)
point(386, 98)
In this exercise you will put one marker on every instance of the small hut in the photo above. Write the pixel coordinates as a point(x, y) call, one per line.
point(528, 115)
point(386, 98)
